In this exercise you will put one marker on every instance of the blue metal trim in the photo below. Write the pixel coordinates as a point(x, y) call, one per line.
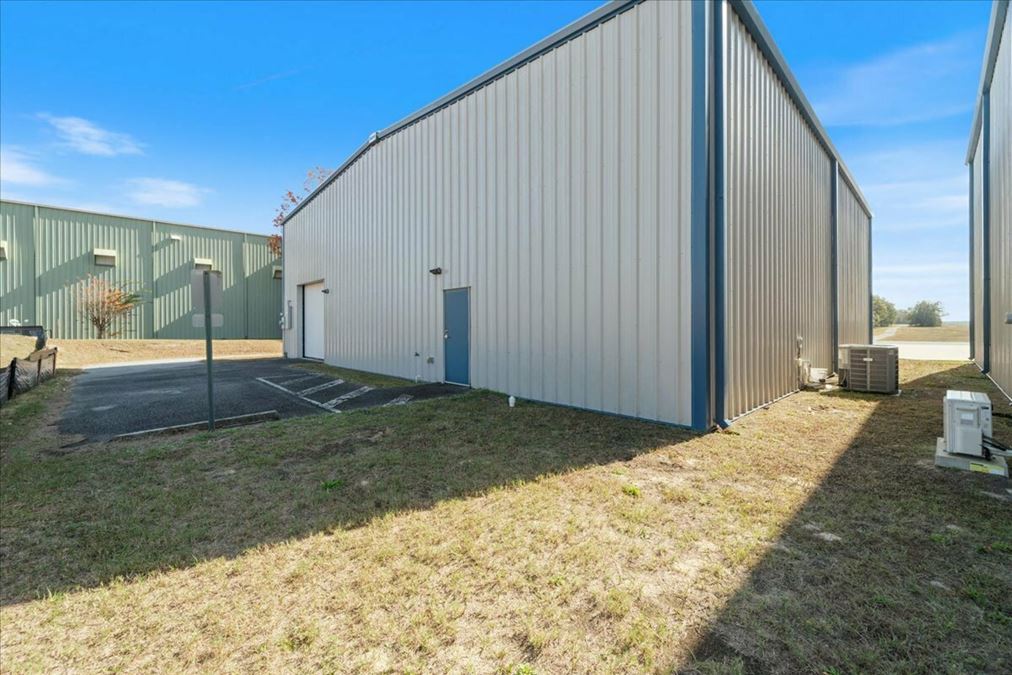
point(576, 28)
point(749, 16)
point(994, 34)
point(834, 260)
point(871, 295)
point(700, 239)
point(985, 234)
point(973, 340)
point(719, 140)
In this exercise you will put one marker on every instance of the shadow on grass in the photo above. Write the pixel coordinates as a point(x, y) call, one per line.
point(891, 565)
point(84, 516)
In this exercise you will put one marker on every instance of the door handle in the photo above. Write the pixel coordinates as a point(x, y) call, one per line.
point(446, 334)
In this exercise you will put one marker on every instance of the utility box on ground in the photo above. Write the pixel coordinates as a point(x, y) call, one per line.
point(967, 422)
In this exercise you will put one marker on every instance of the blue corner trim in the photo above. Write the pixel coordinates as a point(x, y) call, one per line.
point(871, 292)
point(996, 26)
point(700, 240)
point(719, 26)
point(834, 258)
point(973, 341)
point(985, 234)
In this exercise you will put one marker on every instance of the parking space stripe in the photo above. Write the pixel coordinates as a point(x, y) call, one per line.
point(320, 387)
point(400, 400)
point(296, 394)
point(347, 397)
point(292, 381)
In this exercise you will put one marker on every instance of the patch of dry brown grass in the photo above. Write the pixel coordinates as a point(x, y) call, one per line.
point(15, 346)
point(81, 353)
point(462, 535)
point(947, 332)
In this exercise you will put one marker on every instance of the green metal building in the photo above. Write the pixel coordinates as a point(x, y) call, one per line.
point(45, 251)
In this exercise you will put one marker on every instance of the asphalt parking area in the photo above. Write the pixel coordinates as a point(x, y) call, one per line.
point(106, 402)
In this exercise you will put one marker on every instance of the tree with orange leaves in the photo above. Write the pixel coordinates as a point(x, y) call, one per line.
point(314, 177)
point(102, 304)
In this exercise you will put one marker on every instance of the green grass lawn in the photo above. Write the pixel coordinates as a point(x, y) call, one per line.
point(947, 332)
point(459, 535)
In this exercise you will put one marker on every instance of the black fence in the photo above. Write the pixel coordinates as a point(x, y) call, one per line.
point(23, 374)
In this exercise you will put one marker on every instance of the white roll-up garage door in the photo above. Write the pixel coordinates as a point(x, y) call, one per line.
point(312, 321)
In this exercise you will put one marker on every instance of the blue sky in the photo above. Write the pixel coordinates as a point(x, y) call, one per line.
point(207, 113)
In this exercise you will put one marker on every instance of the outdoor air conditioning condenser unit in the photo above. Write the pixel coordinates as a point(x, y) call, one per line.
point(871, 368)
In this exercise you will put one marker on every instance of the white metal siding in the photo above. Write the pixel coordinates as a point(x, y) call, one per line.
point(1001, 212)
point(778, 237)
point(560, 194)
point(978, 252)
point(853, 230)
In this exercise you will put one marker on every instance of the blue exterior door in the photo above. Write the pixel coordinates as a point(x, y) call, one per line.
point(457, 336)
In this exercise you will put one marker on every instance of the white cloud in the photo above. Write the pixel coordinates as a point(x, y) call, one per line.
point(18, 168)
point(88, 138)
point(926, 273)
point(96, 207)
point(920, 205)
point(164, 192)
point(924, 82)
point(904, 271)
point(916, 187)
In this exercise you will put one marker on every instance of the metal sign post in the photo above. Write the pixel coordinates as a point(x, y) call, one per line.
point(205, 291)
point(209, 350)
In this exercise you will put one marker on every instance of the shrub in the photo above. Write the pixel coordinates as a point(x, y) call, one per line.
point(926, 314)
point(883, 311)
point(104, 305)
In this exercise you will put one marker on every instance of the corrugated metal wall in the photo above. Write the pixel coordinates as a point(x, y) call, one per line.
point(1000, 204)
point(560, 194)
point(65, 242)
point(263, 292)
point(17, 272)
point(62, 248)
point(978, 252)
point(778, 270)
point(853, 231)
point(174, 262)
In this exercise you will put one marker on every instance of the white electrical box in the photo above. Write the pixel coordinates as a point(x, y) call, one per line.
point(967, 420)
point(804, 371)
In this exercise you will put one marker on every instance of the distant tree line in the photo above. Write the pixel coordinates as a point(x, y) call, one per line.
point(924, 314)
